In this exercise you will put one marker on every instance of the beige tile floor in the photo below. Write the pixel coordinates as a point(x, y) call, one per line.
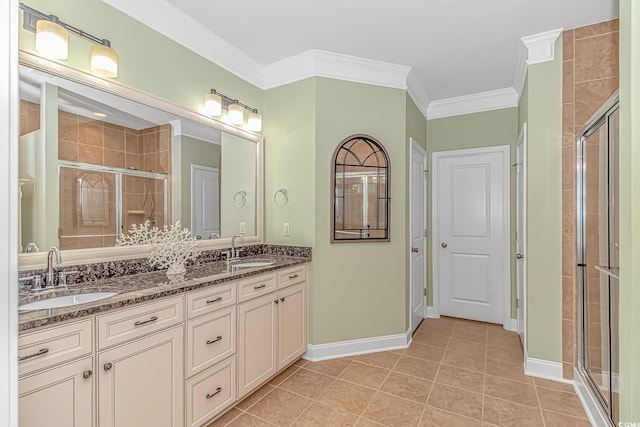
point(455, 373)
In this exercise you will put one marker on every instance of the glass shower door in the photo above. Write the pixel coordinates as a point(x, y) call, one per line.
point(598, 259)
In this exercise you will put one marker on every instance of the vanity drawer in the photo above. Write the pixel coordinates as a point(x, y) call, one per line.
point(210, 299)
point(131, 323)
point(42, 349)
point(291, 276)
point(256, 286)
point(210, 339)
point(210, 393)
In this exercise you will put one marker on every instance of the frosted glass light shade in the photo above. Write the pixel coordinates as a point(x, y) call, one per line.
point(104, 60)
point(213, 104)
point(236, 114)
point(52, 40)
point(255, 122)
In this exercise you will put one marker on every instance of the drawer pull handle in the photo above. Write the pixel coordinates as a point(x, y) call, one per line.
point(216, 340)
point(210, 301)
point(293, 277)
point(282, 299)
point(87, 374)
point(108, 366)
point(210, 395)
point(40, 352)
point(260, 287)
point(153, 319)
point(276, 301)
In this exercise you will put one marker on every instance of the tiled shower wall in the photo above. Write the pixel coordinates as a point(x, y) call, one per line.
point(590, 67)
point(87, 140)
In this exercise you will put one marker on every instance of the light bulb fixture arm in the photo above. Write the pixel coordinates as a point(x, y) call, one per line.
point(226, 101)
point(31, 16)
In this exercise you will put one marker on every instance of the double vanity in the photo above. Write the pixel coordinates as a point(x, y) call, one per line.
point(160, 353)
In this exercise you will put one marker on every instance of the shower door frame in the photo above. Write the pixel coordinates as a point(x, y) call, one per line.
point(118, 173)
point(599, 119)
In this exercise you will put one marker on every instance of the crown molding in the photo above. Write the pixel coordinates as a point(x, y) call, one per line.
point(475, 103)
point(166, 19)
point(521, 69)
point(320, 63)
point(541, 47)
point(417, 93)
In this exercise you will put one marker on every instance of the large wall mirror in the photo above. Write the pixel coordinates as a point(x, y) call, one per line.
point(93, 162)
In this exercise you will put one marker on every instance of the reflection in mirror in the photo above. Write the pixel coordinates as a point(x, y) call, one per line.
point(361, 191)
point(92, 164)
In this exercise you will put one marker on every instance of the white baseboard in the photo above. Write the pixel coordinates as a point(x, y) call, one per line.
point(511, 325)
point(544, 369)
point(334, 350)
point(591, 407)
point(432, 313)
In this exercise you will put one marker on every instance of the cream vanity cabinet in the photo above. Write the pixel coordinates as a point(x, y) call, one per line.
point(175, 361)
point(140, 365)
point(54, 389)
point(272, 328)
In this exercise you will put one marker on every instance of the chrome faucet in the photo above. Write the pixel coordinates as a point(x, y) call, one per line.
point(50, 278)
point(214, 235)
point(234, 251)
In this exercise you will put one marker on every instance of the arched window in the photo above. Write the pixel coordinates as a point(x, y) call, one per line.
point(360, 182)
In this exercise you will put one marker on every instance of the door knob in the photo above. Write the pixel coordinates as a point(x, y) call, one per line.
point(415, 250)
point(519, 256)
point(443, 244)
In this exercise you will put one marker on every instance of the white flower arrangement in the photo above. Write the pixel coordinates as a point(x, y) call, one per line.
point(171, 246)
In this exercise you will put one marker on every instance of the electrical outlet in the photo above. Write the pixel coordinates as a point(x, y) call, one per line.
point(243, 227)
point(285, 228)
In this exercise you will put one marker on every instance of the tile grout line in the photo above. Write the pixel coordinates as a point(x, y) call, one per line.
point(544, 423)
point(433, 383)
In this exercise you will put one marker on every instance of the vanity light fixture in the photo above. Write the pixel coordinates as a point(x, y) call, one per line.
point(215, 102)
point(52, 41)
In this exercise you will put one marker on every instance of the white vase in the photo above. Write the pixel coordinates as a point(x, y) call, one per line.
point(176, 272)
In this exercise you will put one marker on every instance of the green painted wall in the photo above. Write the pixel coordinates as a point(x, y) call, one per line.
point(416, 125)
point(486, 129)
point(629, 210)
point(238, 173)
point(289, 152)
point(359, 289)
point(544, 208)
point(148, 60)
point(193, 152)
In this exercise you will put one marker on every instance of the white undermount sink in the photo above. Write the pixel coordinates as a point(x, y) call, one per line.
point(66, 300)
point(252, 263)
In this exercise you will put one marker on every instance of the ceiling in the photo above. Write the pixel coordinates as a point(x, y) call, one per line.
point(454, 47)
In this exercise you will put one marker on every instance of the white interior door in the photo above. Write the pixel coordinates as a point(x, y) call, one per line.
point(521, 230)
point(205, 201)
point(471, 234)
point(418, 220)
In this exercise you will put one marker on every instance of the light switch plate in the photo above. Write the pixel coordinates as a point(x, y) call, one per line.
point(243, 227)
point(285, 228)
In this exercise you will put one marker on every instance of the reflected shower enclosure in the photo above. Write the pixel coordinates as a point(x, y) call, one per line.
point(98, 203)
point(598, 258)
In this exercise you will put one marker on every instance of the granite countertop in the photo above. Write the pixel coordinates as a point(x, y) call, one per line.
point(136, 288)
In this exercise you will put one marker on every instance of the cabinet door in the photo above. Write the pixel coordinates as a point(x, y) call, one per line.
point(58, 397)
point(141, 383)
point(292, 324)
point(256, 342)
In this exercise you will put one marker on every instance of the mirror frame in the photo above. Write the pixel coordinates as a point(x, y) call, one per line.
point(28, 261)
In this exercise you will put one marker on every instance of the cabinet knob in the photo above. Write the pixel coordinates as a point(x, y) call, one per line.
point(108, 366)
point(415, 250)
point(87, 374)
point(519, 256)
